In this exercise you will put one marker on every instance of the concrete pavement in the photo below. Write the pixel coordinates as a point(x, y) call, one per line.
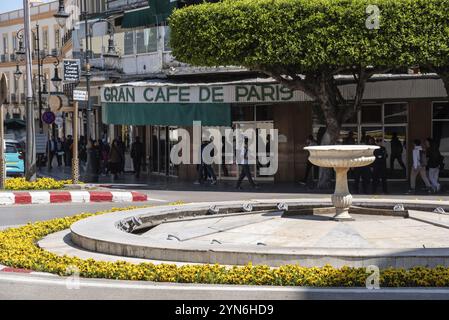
point(43, 287)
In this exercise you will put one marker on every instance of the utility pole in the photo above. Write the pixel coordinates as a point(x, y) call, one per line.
point(87, 74)
point(30, 155)
point(3, 95)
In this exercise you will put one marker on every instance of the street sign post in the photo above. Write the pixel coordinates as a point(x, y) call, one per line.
point(3, 96)
point(72, 71)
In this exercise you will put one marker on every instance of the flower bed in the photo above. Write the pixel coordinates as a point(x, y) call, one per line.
point(18, 249)
point(39, 184)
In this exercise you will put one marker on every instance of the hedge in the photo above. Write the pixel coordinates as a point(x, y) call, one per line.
point(311, 35)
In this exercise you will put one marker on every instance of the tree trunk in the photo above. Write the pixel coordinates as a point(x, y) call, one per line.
point(330, 137)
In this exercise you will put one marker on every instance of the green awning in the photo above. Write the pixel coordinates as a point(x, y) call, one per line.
point(167, 114)
point(157, 12)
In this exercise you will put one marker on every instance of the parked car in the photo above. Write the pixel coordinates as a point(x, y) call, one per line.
point(15, 165)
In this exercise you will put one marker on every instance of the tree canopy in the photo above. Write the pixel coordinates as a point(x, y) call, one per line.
point(310, 35)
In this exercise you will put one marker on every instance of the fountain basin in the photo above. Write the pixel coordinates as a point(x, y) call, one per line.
point(341, 158)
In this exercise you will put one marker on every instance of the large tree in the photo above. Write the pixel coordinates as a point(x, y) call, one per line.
point(305, 44)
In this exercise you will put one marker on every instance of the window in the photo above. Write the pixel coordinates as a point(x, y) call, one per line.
point(395, 113)
point(57, 38)
point(167, 38)
point(146, 40)
point(129, 42)
point(372, 114)
point(5, 44)
point(15, 44)
point(440, 131)
point(45, 39)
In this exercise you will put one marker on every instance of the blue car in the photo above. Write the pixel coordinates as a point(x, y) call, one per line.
point(14, 161)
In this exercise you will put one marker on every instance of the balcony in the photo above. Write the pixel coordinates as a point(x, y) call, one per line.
point(35, 10)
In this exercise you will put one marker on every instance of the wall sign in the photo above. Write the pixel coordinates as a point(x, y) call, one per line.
point(72, 70)
point(213, 93)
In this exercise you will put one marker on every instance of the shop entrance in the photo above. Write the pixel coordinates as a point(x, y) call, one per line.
point(162, 140)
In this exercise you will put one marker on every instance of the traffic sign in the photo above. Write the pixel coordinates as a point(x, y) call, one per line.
point(79, 95)
point(59, 121)
point(72, 69)
point(48, 117)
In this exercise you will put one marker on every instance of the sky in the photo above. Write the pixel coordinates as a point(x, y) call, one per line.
point(9, 5)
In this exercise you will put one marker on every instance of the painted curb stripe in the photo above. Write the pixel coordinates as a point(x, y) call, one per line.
point(22, 197)
point(99, 196)
point(80, 196)
point(15, 270)
point(7, 198)
point(137, 196)
point(45, 197)
point(40, 197)
point(58, 197)
point(121, 196)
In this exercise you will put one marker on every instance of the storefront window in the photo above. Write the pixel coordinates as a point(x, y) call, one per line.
point(146, 40)
point(372, 114)
point(395, 113)
point(440, 132)
point(129, 42)
point(380, 121)
point(264, 113)
point(242, 113)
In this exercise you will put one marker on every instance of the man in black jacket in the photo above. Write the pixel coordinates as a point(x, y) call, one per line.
point(137, 154)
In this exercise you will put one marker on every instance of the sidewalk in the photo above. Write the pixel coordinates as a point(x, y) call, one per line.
point(157, 182)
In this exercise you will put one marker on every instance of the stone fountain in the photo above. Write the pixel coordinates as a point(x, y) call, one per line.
point(341, 158)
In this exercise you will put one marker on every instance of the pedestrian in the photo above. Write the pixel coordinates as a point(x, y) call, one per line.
point(349, 139)
point(51, 151)
point(246, 170)
point(82, 151)
point(435, 161)
point(93, 154)
point(68, 151)
point(122, 149)
point(396, 151)
point(59, 151)
point(310, 168)
point(104, 154)
point(363, 174)
point(418, 167)
point(137, 154)
point(115, 158)
point(380, 167)
point(208, 166)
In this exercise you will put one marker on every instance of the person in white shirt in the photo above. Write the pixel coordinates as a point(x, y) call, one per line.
point(419, 166)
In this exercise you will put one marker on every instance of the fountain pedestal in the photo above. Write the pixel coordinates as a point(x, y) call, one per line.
point(341, 158)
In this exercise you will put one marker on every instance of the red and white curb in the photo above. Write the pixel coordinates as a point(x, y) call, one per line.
point(44, 197)
point(26, 271)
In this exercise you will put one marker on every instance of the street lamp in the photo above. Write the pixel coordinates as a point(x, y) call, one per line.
point(56, 80)
point(61, 16)
point(17, 73)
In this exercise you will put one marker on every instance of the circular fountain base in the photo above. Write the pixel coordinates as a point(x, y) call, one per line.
point(299, 233)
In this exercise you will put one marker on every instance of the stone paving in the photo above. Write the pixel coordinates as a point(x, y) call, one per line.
point(316, 231)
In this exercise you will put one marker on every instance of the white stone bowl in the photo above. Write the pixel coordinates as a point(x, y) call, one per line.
point(341, 156)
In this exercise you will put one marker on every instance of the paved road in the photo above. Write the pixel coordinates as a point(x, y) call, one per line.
point(26, 286)
point(22, 214)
